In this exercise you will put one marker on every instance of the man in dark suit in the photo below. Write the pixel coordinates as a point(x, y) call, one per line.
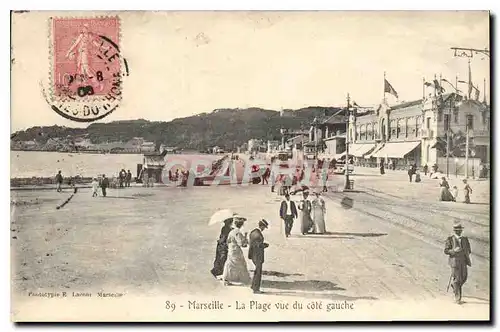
point(457, 247)
point(104, 185)
point(256, 253)
point(288, 212)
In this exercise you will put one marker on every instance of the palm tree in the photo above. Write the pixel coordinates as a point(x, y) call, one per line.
point(457, 144)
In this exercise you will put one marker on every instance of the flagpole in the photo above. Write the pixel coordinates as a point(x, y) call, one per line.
point(440, 84)
point(423, 89)
point(385, 102)
point(484, 91)
point(435, 87)
point(470, 82)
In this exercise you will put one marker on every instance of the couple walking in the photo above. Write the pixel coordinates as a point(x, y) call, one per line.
point(230, 262)
point(312, 214)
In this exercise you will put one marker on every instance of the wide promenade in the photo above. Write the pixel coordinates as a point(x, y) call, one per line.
point(385, 251)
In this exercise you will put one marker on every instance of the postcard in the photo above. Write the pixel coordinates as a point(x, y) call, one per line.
point(250, 166)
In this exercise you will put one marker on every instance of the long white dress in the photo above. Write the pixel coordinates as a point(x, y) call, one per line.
point(318, 215)
point(235, 268)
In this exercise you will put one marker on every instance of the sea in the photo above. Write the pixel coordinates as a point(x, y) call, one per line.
point(28, 164)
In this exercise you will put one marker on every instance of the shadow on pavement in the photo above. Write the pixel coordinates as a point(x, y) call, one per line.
point(357, 234)
point(322, 236)
point(302, 285)
point(278, 274)
point(122, 197)
point(480, 300)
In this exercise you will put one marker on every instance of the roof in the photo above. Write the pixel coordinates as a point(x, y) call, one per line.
point(407, 104)
point(154, 160)
point(337, 117)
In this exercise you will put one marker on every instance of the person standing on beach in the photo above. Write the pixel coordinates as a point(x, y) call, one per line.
point(59, 182)
point(104, 184)
point(457, 247)
point(222, 249)
point(467, 192)
point(95, 187)
point(256, 253)
point(128, 178)
point(273, 177)
point(305, 208)
point(288, 212)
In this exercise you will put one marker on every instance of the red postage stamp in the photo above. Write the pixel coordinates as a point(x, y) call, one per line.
point(86, 59)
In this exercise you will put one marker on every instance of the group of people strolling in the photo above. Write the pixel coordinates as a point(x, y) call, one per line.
point(447, 195)
point(310, 213)
point(103, 183)
point(230, 264)
point(124, 178)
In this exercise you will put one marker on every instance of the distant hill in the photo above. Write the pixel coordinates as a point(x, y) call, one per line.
point(227, 128)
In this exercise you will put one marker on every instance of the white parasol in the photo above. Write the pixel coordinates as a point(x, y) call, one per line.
point(221, 215)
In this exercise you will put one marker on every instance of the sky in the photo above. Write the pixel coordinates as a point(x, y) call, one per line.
point(185, 63)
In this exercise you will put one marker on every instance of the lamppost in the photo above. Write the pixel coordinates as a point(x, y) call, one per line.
point(315, 137)
point(347, 184)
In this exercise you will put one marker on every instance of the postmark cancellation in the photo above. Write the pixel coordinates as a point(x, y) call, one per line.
point(86, 67)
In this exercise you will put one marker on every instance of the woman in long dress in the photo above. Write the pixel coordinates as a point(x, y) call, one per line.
point(235, 269)
point(318, 214)
point(305, 214)
point(221, 249)
point(467, 192)
point(444, 193)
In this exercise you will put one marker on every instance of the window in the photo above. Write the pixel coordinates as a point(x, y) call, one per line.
point(470, 121)
point(446, 122)
point(398, 128)
point(428, 123)
point(418, 126)
point(406, 126)
point(455, 114)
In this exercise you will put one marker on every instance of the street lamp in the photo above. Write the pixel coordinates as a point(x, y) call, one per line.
point(347, 184)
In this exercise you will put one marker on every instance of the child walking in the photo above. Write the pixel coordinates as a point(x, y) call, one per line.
point(95, 187)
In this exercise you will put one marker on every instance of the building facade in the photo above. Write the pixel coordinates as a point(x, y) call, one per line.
point(414, 132)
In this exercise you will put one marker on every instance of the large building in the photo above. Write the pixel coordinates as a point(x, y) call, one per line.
point(416, 131)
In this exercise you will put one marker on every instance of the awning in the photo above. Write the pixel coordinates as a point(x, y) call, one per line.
point(372, 154)
point(358, 150)
point(396, 149)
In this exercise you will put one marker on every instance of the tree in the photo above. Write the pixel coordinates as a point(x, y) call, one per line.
point(457, 145)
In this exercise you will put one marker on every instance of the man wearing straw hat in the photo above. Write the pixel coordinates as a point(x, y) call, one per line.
point(457, 247)
point(256, 253)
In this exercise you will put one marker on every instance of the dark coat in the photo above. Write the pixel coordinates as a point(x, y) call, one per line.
point(105, 183)
point(283, 209)
point(459, 258)
point(256, 246)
